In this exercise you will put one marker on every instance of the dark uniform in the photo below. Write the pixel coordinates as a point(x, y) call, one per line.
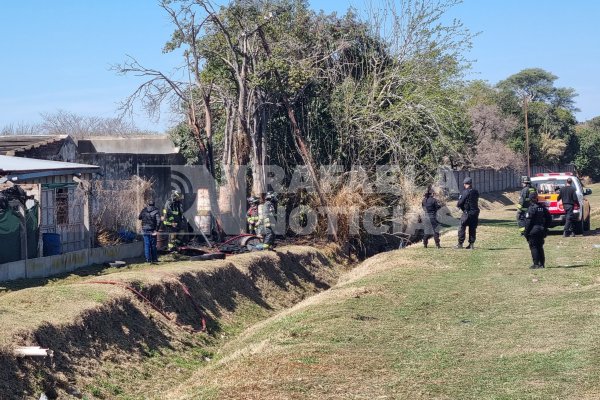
point(173, 218)
point(431, 226)
point(568, 195)
point(150, 217)
point(468, 202)
point(537, 222)
point(523, 206)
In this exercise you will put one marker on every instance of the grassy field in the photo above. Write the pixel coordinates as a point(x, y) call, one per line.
point(431, 324)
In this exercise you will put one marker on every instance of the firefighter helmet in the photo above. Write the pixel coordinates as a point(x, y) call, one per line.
point(176, 195)
point(271, 196)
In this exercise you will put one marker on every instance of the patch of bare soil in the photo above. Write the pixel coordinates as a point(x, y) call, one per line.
point(90, 323)
point(496, 200)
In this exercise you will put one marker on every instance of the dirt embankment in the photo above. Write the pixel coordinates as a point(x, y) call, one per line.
point(89, 325)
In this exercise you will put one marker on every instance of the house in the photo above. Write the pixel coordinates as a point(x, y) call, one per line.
point(52, 148)
point(57, 171)
point(118, 158)
point(57, 190)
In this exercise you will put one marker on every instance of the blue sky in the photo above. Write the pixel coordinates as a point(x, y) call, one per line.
point(57, 55)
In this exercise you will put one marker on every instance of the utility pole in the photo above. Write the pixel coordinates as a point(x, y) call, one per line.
point(525, 101)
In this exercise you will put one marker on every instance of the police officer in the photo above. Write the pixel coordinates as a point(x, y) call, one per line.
point(252, 215)
point(172, 217)
point(468, 202)
point(524, 202)
point(430, 207)
point(150, 217)
point(537, 222)
point(568, 195)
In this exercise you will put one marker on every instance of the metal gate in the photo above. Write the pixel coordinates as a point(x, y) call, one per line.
point(62, 211)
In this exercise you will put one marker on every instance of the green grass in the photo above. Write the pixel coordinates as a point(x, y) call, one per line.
point(412, 324)
point(434, 324)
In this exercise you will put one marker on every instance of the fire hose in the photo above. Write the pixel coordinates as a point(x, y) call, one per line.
point(144, 299)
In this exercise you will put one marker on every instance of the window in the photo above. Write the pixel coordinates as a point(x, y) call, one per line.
point(62, 206)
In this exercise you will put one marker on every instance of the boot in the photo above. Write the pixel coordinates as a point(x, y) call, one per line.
point(470, 246)
point(458, 246)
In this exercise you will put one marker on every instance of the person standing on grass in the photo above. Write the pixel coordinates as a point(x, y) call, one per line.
point(468, 202)
point(568, 195)
point(524, 202)
point(150, 217)
point(431, 226)
point(537, 222)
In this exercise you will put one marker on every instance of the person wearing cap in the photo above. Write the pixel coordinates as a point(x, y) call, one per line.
point(524, 202)
point(430, 207)
point(537, 222)
point(150, 217)
point(568, 195)
point(468, 202)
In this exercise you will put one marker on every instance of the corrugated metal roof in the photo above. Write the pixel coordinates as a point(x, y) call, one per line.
point(18, 165)
point(11, 144)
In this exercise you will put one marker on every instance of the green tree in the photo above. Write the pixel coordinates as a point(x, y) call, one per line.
point(587, 159)
point(550, 118)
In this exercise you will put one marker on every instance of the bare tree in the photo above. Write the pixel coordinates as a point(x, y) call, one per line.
point(67, 123)
point(64, 122)
point(21, 129)
point(491, 130)
point(187, 96)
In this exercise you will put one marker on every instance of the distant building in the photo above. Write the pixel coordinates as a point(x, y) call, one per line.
point(117, 158)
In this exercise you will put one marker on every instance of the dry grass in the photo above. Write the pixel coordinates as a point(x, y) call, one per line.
point(116, 206)
point(97, 329)
point(422, 324)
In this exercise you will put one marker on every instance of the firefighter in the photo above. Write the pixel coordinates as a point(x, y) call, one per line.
point(468, 202)
point(431, 226)
point(252, 215)
point(172, 218)
point(537, 222)
point(266, 219)
point(524, 202)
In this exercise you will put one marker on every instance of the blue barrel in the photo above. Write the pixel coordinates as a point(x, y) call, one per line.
point(51, 242)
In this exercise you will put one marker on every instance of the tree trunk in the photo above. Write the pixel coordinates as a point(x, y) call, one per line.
point(299, 139)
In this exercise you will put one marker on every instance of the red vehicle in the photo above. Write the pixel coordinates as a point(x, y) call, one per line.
point(547, 186)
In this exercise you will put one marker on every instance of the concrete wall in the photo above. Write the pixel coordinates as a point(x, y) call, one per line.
point(148, 166)
point(55, 265)
point(115, 145)
point(489, 180)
